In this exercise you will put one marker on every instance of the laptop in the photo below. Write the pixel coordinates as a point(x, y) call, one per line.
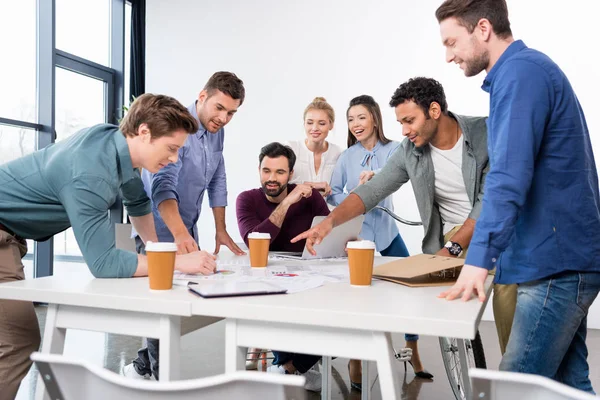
point(334, 244)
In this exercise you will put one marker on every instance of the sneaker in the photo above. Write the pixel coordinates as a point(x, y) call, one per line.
point(313, 380)
point(277, 369)
point(129, 371)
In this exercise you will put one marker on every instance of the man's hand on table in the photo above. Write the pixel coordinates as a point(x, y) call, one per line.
point(223, 238)
point(470, 282)
point(197, 262)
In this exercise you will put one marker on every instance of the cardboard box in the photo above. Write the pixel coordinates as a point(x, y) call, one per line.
point(421, 270)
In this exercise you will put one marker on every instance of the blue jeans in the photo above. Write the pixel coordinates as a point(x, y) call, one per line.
point(398, 249)
point(550, 327)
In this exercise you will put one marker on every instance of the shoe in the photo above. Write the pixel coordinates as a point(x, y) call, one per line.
point(129, 371)
point(312, 382)
point(421, 374)
point(277, 369)
point(354, 385)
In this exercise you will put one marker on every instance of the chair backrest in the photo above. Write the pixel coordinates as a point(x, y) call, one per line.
point(68, 379)
point(499, 385)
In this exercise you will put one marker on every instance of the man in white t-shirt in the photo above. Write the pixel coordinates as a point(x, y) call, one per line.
point(445, 158)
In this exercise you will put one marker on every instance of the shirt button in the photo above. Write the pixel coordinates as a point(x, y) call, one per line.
point(493, 260)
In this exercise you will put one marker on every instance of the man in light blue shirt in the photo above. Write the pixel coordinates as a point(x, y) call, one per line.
point(177, 191)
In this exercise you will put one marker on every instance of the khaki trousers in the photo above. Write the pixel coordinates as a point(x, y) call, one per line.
point(503, 304)
point(19, 329)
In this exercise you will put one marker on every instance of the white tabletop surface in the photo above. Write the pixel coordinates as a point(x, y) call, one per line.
point(384, 306)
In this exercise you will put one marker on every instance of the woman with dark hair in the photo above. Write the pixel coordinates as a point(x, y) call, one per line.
point(368, 150)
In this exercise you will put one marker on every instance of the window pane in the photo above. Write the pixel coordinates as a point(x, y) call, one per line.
point(127, 71)
point(83, 29)
point(16, 142)
point(18, 66)
point(79, 104)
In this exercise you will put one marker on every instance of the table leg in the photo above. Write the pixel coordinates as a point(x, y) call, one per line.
point(168, 352)
point(366, 381)
point(235, 356)
point(53, 343)
point(386, 362)
point(326, 374)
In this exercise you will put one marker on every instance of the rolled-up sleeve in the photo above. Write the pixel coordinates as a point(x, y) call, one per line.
point(86, 201)
point(135, 199)
point(520, 108)
point(248, 220)
point(217, 187)
point(164, 182)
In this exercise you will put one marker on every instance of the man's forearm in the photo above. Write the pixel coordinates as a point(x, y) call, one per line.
point(465, 233)
point(351, 207)
point(219, 215)
point(142, 267)
point(278, 215)
point(169, 212)
point(144, 226)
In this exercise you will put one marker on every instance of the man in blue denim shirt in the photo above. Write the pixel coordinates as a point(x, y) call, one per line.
point(540, 216)
point(177, 191)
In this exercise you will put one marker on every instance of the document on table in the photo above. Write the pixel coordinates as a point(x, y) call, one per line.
point(294, 278)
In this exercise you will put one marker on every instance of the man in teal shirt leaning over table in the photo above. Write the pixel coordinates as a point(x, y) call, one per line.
point(73, 184)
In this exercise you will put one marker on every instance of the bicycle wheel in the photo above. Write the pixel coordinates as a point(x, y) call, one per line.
point(475, 358)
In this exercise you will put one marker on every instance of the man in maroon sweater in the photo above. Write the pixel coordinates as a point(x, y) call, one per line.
point(281, 209)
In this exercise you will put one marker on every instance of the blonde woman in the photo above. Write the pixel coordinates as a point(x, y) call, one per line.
point(315, 156)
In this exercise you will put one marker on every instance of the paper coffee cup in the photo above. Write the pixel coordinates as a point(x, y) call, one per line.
point(161, 264)
point(258, 245)
point(361, 254)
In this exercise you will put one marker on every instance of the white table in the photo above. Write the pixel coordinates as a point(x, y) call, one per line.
point(119, 306)
point(333, 320)
point(340, 320)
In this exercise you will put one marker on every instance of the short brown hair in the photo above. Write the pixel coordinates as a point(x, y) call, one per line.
point(470, 12)
point(228, 83)
point(163, 114)
point(319, 103)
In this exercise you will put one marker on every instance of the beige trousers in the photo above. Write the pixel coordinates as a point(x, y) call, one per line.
point(503, 304)
point(19, 329)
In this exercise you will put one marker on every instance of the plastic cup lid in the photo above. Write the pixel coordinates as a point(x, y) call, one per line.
point(258, 235)
point(161, 246)
point(361, 244)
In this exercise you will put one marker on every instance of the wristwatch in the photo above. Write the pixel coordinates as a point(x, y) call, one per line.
point(454, 248)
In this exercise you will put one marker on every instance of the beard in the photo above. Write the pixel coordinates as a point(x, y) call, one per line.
point(274, 192)
point(479, 62)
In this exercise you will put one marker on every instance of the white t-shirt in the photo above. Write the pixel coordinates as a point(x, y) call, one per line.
point(450, 192)
point(304, 170)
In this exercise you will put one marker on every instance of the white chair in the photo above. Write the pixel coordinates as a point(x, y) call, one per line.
point(68, 379)
point(499, 385)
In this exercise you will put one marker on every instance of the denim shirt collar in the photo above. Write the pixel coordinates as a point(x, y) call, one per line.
point(513, 49)
point(124, 157)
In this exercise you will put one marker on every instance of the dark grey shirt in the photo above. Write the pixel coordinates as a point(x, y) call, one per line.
point(415, 164)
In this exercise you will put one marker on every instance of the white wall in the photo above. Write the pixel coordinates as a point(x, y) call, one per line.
point(288, 52)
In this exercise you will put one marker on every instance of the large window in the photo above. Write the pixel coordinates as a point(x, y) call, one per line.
point(64, 72)
point(18, 66)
